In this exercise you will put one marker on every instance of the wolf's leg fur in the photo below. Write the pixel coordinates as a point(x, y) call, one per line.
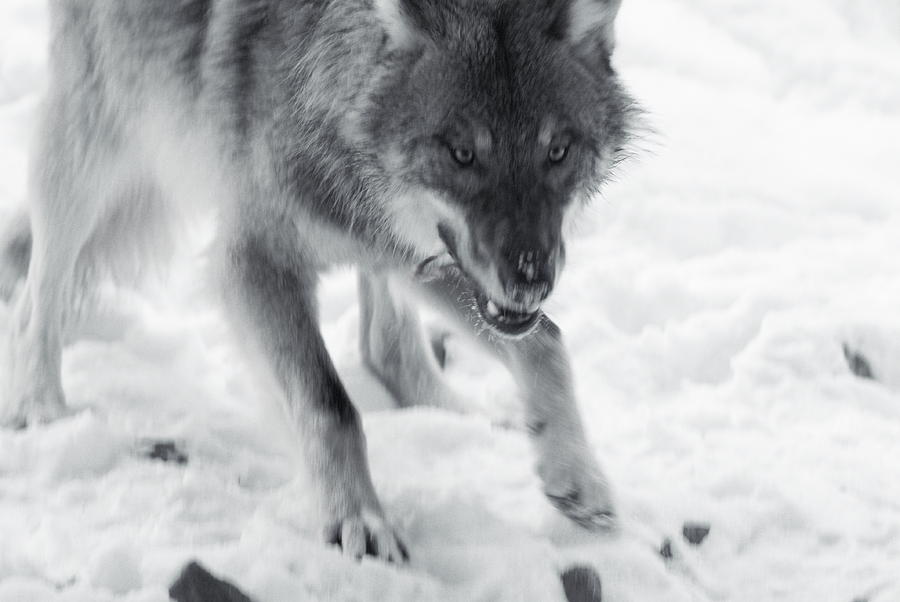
point(60, 225)
point(88, 209)
point(62, 219)
point(272, 296)
point(34, 388)
point(572, 479)
point(393, 347)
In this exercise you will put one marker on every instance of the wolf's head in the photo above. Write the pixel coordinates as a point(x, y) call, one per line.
point(498, 116)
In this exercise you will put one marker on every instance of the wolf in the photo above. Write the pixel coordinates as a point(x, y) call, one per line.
point(438, 145)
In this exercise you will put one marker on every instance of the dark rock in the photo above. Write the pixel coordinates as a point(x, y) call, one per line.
point(582, 584)
point(695, 533)
point(165, 450)
point(196, 584)
point(858, 363)
point(666, 549)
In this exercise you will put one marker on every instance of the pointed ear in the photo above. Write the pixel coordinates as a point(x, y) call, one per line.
point(591, 22)
point(408, 23)
point(398, 27)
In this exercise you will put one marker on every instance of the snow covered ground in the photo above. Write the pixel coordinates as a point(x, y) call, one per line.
point(706, 302)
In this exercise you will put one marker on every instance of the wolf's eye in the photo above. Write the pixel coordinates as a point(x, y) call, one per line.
point(463, 156)
point(557, 154)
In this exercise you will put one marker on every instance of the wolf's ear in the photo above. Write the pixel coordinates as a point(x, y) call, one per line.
point(590, 22)
point(408, 22)
point(397, 26)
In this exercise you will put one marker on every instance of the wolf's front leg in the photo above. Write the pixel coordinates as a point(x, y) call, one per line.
point(393, 347)
point(272, 300)
point(572, 478)
point(573, 481)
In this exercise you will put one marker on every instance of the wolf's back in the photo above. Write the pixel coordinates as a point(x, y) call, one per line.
point(129, 46)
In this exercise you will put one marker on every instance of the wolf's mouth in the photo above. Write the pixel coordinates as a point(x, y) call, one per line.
point(502, 319)
point(507, 321)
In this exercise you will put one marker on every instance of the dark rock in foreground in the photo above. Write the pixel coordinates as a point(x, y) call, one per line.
point(196, 584)
point(858, 363)
point(695, 533)
point(165, 450)
point(666, 549)
point(582, 584)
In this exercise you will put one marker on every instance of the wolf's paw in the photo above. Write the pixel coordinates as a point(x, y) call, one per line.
point(367, 534)
point(581, 492)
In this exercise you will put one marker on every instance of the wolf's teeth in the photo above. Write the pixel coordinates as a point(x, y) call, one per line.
point(492, 309)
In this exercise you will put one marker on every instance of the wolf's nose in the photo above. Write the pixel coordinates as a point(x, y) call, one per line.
point(532, 268)
point(529, 276)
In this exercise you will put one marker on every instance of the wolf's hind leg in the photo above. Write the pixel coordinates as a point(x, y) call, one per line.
point(63, 214)
point(83, 186)
point(271, 298)
point(572, 479)
point(34, 389)
point(393, 347)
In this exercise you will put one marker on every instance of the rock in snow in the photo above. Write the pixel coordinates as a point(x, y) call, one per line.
point(582, 584)
point(196, 584)
point(164, 450)
point(858, 363)
point(665, 550)
point(695, 533)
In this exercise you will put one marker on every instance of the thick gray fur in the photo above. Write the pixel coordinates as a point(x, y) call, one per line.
point(326, 132)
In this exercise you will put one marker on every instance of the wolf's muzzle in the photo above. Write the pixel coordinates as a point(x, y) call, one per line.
point(527, 276)
point(523, 279)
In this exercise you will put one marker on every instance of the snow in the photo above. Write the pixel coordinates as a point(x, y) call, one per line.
point(706, 302)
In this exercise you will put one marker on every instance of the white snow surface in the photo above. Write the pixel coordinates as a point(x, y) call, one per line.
point(705, 304)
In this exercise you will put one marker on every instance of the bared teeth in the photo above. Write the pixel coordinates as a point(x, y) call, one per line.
point(505, 318)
